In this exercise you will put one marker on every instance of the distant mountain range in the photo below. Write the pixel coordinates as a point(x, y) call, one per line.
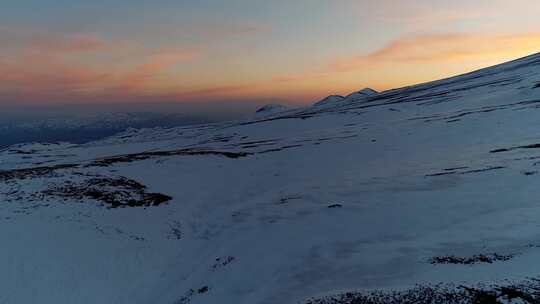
point(84, 128)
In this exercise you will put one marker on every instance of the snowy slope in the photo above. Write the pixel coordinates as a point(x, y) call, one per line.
point(432, 187)
point(329, 100)
point(269, 109)
point(335, 100)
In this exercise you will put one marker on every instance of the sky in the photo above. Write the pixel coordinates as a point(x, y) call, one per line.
point(167, 51)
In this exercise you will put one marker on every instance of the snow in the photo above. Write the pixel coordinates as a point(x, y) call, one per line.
point(332, 99)
point(411, 169)
point(269, 109)
point(360, 95)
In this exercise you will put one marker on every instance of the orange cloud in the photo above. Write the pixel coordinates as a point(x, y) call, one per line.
point(443, 48)
point(410, 60)
point(33, 79)
point(48, 78)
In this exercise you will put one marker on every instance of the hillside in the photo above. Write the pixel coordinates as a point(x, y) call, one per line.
point(424, 193)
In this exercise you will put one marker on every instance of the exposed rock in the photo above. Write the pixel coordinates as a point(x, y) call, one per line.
point(115, 192)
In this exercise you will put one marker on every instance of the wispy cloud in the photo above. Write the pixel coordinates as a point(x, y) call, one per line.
point(154, 65)
point(45, 67)
point(424, 16)
point(67, 44)
point(26, 41)
point(441, 48)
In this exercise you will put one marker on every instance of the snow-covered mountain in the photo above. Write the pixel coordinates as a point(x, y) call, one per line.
point(360, 95)
point(329, 100)
point(269, 109)
point(333, 100)
point(95, 121)
point(81, 128)
point(424, 194)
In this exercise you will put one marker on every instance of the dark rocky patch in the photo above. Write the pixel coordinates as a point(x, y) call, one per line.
point(527, 292)
point(335, 206)
point(22, 152)
point(456, 168)
point(440, 174)
point(26, 173)
point(250, 146)
point(483, 169)
point(114, 192)
point(531, 146)
point(451, 172)
point(188, 295)
point(537, 86)
point(186, 298)
point(203, 289)
point(286, 200)
point(475, 259)
point(127, 158)
point(42, 171)
point(222, 262)
point(498, 150)
point(279, 149)
point(528, 173)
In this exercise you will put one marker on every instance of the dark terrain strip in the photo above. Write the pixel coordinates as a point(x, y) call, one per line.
point(531, 146)
point(465, 172)
point(527, 291)
point(33, 172)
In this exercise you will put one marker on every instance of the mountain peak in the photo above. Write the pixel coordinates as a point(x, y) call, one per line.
point(333, 99)
point(364, 93)
point(270, 109)
point(329, 100)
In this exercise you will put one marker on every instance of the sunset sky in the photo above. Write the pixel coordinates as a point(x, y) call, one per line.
point(99, 51)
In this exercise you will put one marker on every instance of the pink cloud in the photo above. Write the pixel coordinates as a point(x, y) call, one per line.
point(155, 64)
point(48, 68)
point(438, 48)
